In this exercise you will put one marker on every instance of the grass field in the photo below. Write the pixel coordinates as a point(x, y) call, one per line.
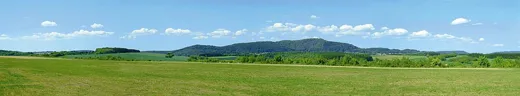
point(137, 56)
point(37, 76)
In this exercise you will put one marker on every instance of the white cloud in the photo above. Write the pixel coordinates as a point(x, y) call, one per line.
point(451, 37)
point(200, 37)
point(422, 33)
point(328, 29)
point(395, 32)
point(240, 32)
point(498, 45)
point(95, 25)
point(4, 37)
point(446, 36)
point(48, 24)
point(219, 33)
point(477, 23)
point(481, 39)
point(364, 27)
point(144, 31)
point(138, 32)
point(306, 37)
point(128, 37)
point(356, 30)
point(91, 33)
point(290, 27)
point(345, 28)
point(309, 27)
point(279, 27)
point(384, 28)
point(169, 31)
point(57, 35)
point(49, 36)
point(459, 21)
point(314, 17)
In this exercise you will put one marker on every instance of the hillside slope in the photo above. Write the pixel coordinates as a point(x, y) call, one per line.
point(304, 45)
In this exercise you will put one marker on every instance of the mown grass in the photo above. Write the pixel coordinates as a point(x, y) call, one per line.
point(135, 56)
point(99, 78)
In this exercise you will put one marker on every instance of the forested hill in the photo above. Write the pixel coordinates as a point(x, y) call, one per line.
point(304, 45)
point(450, 52)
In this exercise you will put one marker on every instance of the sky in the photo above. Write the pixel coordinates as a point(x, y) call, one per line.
point(431, 25)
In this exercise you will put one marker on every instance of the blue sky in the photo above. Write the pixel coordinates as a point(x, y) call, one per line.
point(432, 25)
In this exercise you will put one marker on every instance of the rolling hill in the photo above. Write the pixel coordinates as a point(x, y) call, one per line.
point(304, 45)
point(450, 52)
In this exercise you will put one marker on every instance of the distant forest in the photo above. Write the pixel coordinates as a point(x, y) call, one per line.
point(304, 45)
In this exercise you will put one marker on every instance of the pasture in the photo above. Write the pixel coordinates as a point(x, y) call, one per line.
point(39, 76)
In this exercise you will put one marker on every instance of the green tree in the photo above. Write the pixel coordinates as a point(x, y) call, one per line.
point(435, 62)
point(169, 55)
point(278, 58)
point(498, 62)
point(482, 61)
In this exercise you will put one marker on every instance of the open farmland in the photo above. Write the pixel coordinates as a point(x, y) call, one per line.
point(37, 76)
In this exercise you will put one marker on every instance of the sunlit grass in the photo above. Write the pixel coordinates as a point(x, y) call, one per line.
point(98, 78)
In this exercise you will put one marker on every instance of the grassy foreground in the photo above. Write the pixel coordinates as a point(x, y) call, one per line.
point(33, 76)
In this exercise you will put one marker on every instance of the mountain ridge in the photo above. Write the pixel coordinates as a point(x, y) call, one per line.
point(302, 45)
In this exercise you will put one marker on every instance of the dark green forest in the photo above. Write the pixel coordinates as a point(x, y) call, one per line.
point(106, 50)
point(14, 53)
point(304, 45)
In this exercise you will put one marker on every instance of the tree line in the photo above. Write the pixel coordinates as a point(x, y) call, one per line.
point(106, 50)
point(350, 59)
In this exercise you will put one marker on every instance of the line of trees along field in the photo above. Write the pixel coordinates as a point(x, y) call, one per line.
point(432, 59)
point(350, 59)
point(104, 50)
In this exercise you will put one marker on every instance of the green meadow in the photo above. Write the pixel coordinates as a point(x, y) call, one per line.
point(32, 76)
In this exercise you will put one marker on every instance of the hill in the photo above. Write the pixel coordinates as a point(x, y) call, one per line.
point(106, 50)
point(449, 52)
point(386, 51)
point(304, 45)
point(507, 52)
